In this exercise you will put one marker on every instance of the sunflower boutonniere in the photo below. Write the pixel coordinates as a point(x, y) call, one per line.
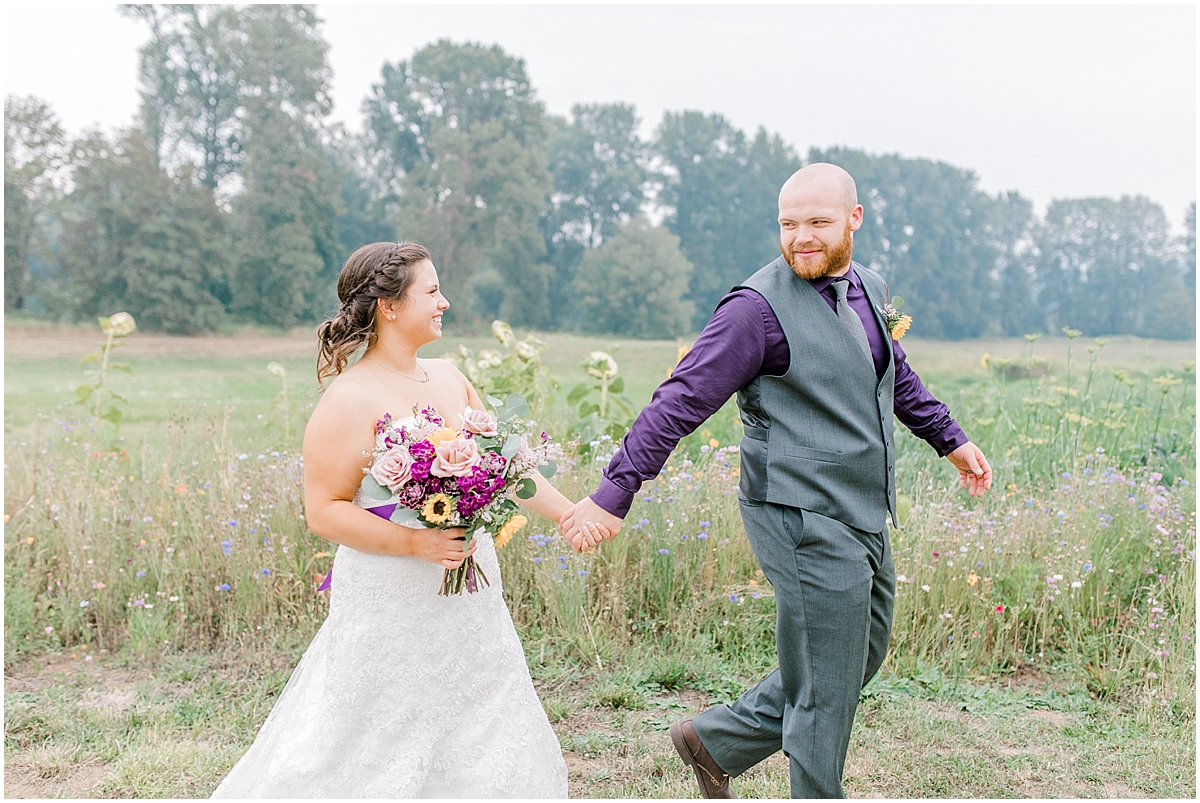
point(897, 324)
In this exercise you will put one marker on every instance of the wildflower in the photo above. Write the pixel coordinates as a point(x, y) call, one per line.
point(538, 559)
point(972, 578)
point(733, 597)
point(233, 523)
point(702, 537)
point(227, 547)
point(925, 589)
point(172, 599)
point(223, 587)
point(29, 541)
point(84, 603)
point(1076, 584)
point(664, 552)
point(97, 586)
point(582, 572)
point(141, 574)
point(510, 528)
point(49, 630)
point(181, 489)
point(438, 509)
point(999, 609)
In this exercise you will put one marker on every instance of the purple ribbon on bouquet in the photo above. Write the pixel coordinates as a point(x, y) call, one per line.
point(383, 512)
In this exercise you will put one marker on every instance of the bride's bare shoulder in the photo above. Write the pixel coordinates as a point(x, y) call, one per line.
point(347, 394)
point(443, 369)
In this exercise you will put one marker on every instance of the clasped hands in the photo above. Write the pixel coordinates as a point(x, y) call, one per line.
point(586, 524)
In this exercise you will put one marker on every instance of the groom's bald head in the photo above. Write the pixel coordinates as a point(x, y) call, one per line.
point(820, 179)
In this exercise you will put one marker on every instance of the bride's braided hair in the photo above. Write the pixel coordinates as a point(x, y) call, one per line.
point(378, 270)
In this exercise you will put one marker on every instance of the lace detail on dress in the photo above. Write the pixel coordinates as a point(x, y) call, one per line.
point(404, 693)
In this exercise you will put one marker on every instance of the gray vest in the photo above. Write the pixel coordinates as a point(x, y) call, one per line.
point(820, 436)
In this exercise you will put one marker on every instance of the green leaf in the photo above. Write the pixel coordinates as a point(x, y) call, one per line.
point(113, 415)
point(372, 488)
point(897, 303)
point(526, 488)
point(587, 408)
point(492, 400)
point(511, 446)
point(93, 357)
point(548, 470)
point(515, 406)
point(577, 393)
point(617, 386)
point(121, 366)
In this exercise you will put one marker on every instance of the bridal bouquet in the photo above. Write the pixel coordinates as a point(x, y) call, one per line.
point(443, 476)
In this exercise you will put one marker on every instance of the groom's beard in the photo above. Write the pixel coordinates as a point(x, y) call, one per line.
point(834, 260)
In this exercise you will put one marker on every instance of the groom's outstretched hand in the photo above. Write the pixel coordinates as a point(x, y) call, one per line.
point(585, 521)
point(974, 473)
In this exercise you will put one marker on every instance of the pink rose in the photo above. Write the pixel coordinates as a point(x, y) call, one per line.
point(455, 458)
point(422, 432)
point(479, 422)
point(393, 469)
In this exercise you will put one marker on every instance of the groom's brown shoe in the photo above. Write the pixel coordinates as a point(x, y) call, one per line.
point(714, 782)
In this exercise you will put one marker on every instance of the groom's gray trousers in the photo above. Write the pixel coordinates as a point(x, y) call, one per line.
point(834, 587)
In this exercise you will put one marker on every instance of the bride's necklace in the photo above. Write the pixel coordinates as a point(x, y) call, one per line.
point(397, 373)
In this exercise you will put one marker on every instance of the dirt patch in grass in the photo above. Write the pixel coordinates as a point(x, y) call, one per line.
point(78, 780)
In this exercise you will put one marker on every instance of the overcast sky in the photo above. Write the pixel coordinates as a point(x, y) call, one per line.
point(1051, 101)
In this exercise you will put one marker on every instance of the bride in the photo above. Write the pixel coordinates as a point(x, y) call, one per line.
point(403, 693)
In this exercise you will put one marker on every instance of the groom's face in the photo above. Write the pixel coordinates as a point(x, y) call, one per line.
point(816, 230)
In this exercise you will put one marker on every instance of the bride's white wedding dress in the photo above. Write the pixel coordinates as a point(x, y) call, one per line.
point(404, 693)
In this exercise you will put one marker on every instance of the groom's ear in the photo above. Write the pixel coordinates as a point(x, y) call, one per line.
point(856, 218)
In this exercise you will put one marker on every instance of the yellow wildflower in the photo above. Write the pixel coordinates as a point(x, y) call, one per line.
point(438, 509)
point(510, 529)
point(713, 442)
point(181, 489)
point(972, 578)
point(983, 361)
point(901, 327)
point(444, 434)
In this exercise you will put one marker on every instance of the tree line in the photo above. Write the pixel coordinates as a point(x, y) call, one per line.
point(233, 197)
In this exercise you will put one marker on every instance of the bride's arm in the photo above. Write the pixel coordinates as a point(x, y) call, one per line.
point(337, 446)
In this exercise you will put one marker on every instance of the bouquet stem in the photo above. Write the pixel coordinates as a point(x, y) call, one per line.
point(468, 577)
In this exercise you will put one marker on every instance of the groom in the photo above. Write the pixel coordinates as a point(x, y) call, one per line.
point(818, 377)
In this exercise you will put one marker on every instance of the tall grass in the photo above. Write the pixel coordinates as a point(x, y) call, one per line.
point(1081, 558)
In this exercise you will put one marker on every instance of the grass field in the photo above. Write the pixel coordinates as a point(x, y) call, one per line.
point(1056, 659)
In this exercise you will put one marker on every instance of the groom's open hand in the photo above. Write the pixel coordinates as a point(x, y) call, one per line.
point(581, 524)
point(974, 473)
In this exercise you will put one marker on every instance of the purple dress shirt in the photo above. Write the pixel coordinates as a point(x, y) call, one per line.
point(742, 341)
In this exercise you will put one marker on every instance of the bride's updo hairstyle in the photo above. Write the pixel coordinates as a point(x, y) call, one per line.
point(378, 270)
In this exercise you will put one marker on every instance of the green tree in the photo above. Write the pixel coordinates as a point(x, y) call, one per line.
point(1011, 232)
point(601, 173)
point(461, 129)
point(35, 152)
point(192, 86)
point(722, 191)
point(634, 284)
point(135, 239)
point(1104, 264)
point(288, 252)
point(930, 232)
